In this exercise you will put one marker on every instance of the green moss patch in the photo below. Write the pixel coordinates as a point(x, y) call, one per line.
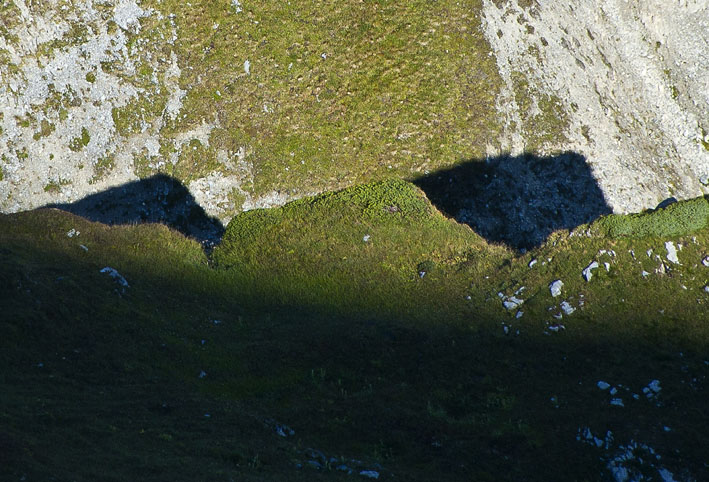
point(78, 143)
point(677, 219)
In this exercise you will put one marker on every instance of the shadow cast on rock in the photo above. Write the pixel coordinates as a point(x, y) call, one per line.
point(518, 200)
point(157, 199)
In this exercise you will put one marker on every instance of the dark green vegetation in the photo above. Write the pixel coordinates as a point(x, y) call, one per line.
point(345, 317)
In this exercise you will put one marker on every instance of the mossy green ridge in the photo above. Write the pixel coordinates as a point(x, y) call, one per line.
point(339, 248)
point(298, 320)
point(674, 220)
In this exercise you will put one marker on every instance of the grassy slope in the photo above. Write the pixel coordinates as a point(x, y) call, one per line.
point(343, 341)
point(337, 92)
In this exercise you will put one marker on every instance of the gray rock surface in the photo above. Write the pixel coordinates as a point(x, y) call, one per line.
point(587, 271)
point(555, 287)
point(632, 77)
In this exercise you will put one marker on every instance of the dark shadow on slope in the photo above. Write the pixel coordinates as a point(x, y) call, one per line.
point(518, 200)
point(157, 199)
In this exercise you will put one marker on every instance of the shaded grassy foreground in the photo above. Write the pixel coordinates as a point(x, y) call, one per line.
point(370, 326)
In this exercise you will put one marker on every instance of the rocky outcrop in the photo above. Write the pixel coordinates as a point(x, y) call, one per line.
point(630, 78)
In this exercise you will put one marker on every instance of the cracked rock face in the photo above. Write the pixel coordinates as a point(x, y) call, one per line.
point(90, 99)
point(57, 100)
point(633, 80)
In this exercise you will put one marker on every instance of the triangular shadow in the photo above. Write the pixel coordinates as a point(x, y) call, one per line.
point(157, 199)
point(518, 200)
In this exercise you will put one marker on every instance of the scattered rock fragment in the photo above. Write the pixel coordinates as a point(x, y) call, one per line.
point(534, 261)
point(587, 274)
point(567, 308)
point(585, 435)
point(344, 468)
point(653, 389)
point(555, 287)
point(512, 302)
point(116, 275)
point(371, 474)
point(603, 385)
point(705, 261)
point(72, 232)
point(283, 430)
point(671, 252)
point(617, 402)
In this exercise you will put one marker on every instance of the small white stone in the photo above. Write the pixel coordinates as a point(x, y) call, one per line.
point(247, 67)
point(671, 252)
point(705, 261)
point(617, 402)
point(665, 474)
point(512, 302)
point(567, 308)
point(372, 474)
point(366, 238)
point(603, 385)
point(115, 275)
point(654, 386)
point(587, 274)
point(555, 287)
point(534, 261)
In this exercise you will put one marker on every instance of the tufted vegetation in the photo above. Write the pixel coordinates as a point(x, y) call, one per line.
point(674, 220)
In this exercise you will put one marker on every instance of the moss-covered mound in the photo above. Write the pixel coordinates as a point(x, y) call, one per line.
point(674, 220)
point(347, 245)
